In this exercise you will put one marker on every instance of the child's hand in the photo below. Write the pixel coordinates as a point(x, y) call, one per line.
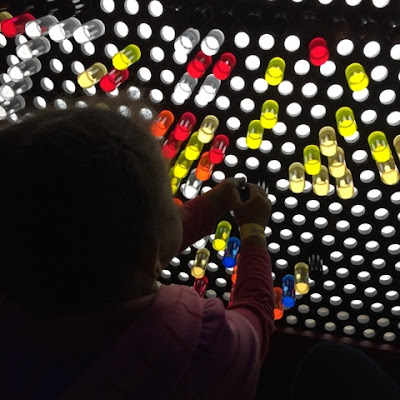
point(220, 197)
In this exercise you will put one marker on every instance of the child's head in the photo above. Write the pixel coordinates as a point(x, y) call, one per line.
point(84, 202)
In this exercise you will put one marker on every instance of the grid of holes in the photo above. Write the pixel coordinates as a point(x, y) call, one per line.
point(349, 283)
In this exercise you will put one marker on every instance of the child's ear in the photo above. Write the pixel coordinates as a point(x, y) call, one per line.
point(150, 259)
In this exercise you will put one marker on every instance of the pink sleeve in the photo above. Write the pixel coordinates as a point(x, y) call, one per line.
point(254, 296)
point(226, 363)
point(198, 220)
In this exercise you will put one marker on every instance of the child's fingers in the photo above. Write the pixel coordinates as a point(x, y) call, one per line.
point(236, 201)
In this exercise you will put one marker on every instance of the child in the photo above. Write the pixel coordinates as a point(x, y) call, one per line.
point(87, 223)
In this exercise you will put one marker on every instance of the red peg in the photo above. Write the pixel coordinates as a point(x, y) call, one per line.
point(184, 126)
point(16, 25)
point(113, 80)
point(319, 52)
point(224, 66)
point(171, 146)
point(218, 149)
point(199, 65)
point(200, 286)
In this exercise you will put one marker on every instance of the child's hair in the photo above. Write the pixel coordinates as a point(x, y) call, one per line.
point(82, 192)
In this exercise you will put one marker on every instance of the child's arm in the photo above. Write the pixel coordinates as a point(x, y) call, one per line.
point(234, 342)
point(200, 215)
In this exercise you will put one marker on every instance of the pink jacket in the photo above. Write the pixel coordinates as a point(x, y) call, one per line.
point(168, 345)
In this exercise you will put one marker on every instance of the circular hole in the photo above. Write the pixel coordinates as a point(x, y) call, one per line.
point(349, 288)
point(285, 88)
point(343, 315)
point(144, 74)
point(156, 96)
point(303, 308)
point(293, 250)
point(266, 42)
point(69, 87)
point(379, 263)
point(3, 41)
point(323, 312)
point(328, 69)
point(302, 67)
point(372, 49)
point(212, 267)
point(306, 237)
point(266, 146)
point(369, 117)
point(309, 90)
point(291, 202)
point(241, 143)
point(293, 110)
point(274, 247)
point(395, 52)
point(387, 97)
point(345, 47)
point(328, 240)
point(286, 234)
point(231, 160)
point(279, 129)
point(374, 195)
point(131, 7)
point(167, 77)
point(342, 273)
point(242, 40)
point(377, 307)
point(77, 67)
point(252, 62)
point(108, 6)
point(292, 43)
point(356, 304)
point(157, 54)
point(165, 274)
point(110, 50)
point(247, 105)
point(274, 166)
point(183, 276)
point(321, 222)
point(388, 231)
point(237, 83)
point(335, 208)
point(144, 31)
point(357, 260)
point(367, 176)
point(381, 214)
point(343, 226)
point(56, 65)
point(335, 92)
point(385, 279)
point(222, 103)
point(288, 148)
point(40, 103)
point(281, 264)
point(350, 243)
point(47, 84)
point(299, 220)
point(318, 111)
point(316, 297)
point(335, 300)
point(66, 46)
point(278, 217)
point(155, 8)
point(370, 292)
point(392, 295)
point(291, 319)
point(336, 256)
point(313, 205)
point(365, 229)
point(167, 33)
point(379, 73)
point(260, 85)
point(252, 163)
point(303, 131)
point(380, 3)
point(393, 119)
point(361, 96)
point(233, 123)
point(122, 31)
point(220, 282)
point(282, 185)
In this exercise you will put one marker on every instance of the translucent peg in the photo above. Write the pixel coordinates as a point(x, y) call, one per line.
point(40, 27)
point(12, 89)
point(231, 252)
point(11, 106)
point(218, 149)
point(92, 75)
point(327, 141)
point(89, 31)
point(278, 306)
point(182, 166)
point(24, 69)
point(275, 71)
point(224, 66)
point(33, 48)
point(211, 44)
point(388, 171)
point(194, 147)
point(337, 163)
point(3, 16)
point(312, 160)
point(198, 66)
point(64, 29)
point(232, 295)
point(178, 202)
point(187, 41)
point(204, 168)
point(126, 57)
point(356, 77)
point(345, 185)
point(235, 270)
point(184, 126)
point(222, 235)
point(200, 263)
point(184, 89)
point(200, 286)
point(16, 25)
point(319, 52)
point(297, 178)
point(192, 186)
point(379, 146)
point(162, 123)
point(208, 90)
point(255, 132)
point(175, 181)
point(207, 129)
point(346, 122)
point(171, 146)
point(288, 291)
point(269, 114)
point(301, 278)
point(113, 80)
point(320, 182)
point(396, 144)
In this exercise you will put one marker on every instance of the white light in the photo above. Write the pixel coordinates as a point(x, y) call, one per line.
point(66, 46)
point(292, 43)
point(108, 6)
point(155, 8)
point(47, 84)
point(387, 97)
point(379, 73)
point(260, 85)
point(369, 117)
point(266, 42)
point(144, 74)
point(345, 47)
point(77, 67)
point(131, 7)
point(156, 96)
point(144, 31)
point(3, 41)
point(394, 51)
point(380, 3)
point(180, 58)
point(88, 49)
point(372, 49)
point(325, 2)
point(328, 69)
point(121, 29)
point(157, 54)
point(302, 67)
point(167, 76)
point(393, 119)
point(237, 83)
point(361, 96)
point(56, 66)
point(309, 90)
point(285, 88)
point(252, 63)
point(335, 92)
point(223, 103)
point(247, 105)
point(110, 50)
point(69, 87)
point(303, 131)
point(167, 33)
point(233, 123)
point(353, 3)
point(293, 110)
point(242, 40)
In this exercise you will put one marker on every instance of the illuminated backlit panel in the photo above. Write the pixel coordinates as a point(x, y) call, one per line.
point(331, 71)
